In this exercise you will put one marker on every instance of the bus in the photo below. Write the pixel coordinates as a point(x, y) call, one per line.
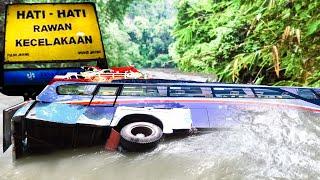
point(76, 114)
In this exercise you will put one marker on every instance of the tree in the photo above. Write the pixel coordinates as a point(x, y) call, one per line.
point(268, 42)
point(149, 25)
point(119, 49)
point(2, 11)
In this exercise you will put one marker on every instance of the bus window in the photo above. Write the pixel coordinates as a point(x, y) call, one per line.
point(317, 91)
point(150, 91)
point(190, 91)
point(75, 89)
point(162, 90)
point(107, 91)
point(233, 93)
point(270, 93)
point(307, 93)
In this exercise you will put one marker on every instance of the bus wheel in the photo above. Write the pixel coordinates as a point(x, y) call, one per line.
point(140, 136)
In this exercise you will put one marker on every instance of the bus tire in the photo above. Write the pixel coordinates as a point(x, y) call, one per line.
point(140, 136)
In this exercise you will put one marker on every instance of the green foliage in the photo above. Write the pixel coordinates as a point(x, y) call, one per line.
point(108, 10)
point(119, 49)
point(143, 37)
point(245, 41)
point(149, 26)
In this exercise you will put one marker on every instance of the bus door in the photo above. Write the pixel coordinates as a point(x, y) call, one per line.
point(106, 95)
point(103, 104)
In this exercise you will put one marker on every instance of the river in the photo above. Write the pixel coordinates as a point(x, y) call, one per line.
point(269, 145)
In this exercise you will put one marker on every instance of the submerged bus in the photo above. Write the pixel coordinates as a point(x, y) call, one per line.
point(73, 114)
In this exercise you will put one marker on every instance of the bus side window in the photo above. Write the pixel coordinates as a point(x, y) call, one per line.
point(221, 92)
point(190, 91)
point(317, 91)
point(271, 94)
point(162, 91)
point(151, 91)
point(307, 93)
point(207, 92)
point(148, 91)
point(75, 89)
point(132, 91)
point(107, 91)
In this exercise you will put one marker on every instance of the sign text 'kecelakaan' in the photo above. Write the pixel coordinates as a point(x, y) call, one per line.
point(46, 32)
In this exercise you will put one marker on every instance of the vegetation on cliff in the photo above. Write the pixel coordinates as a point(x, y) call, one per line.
point(245, 41)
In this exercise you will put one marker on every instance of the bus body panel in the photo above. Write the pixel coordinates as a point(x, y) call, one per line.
point(205, 112)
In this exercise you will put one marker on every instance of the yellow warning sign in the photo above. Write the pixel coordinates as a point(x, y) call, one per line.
point(52, 32)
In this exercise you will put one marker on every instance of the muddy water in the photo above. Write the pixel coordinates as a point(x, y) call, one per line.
point(268, 144)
